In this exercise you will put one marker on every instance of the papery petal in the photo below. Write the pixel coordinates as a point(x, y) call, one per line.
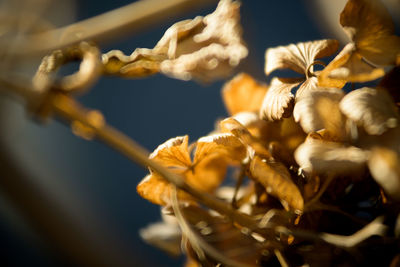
point(348, 66)
point(308, 85)
point(157, 190)
point(318, 110)
point(243, 93)
point(384, 165)
point(142, 62)
point(223, 145)
point(278, 101)
point(364, 19)
point(298, 56)
point(277, 181)
point(173, 153)
point(373, 109)
point(331, 158)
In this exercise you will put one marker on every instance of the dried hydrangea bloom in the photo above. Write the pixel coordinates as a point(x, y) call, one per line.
point(203, 48)
point(301, 58)
point(373, 43)
point(371, 108)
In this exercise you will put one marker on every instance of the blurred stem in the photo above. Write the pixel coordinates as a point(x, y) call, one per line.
point(133, 17)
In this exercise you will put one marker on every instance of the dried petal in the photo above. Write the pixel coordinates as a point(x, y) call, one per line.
point(173, 153)
point(142, 62)
point(278, 101)
point(370, 27)
point(384, 165)
point(318, 110)
point(371, 108)
point(157, 190)
point(298, 57)
point(211, 51)
point(277, 181)
point(329, 157)
point(349, 65)
point(224, 145)
point(243, 93)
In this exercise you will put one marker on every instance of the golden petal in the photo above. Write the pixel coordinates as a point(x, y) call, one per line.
point(348, 66)
point(277, 181)
point(298, 57)
point(173, 153)
point(224, 145)
point(319, 110)
point(278, 101)
point(384, 165)
point(330, 158)
point(157, 190)
point(373, 109)
point(243, 93)
point(363, 19)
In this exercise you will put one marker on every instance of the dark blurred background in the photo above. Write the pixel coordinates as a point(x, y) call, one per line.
point(56, 186)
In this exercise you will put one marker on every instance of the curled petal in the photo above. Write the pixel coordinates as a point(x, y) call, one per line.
point(298, 56)
point(278, 101)
point(243, 93)
point(319, 110)
point(329, 157)
point(142, 62)
point(384, 165)
point(348, 65)
point(371, 108)
point(277, 181)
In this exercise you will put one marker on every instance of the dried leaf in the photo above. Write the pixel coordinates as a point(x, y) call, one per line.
point(173, 153)
point(319, 110)
point(277, 181)
point(243, 93)
point(371, 108)
point(384, 165)
point(329, 157)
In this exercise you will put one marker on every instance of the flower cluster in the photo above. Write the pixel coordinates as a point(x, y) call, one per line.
point(317, 168)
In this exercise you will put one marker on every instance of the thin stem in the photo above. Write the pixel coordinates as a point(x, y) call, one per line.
point(107, 26)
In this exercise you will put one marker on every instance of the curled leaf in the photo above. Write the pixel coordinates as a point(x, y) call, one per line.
point(277, 181)
point(371, 108)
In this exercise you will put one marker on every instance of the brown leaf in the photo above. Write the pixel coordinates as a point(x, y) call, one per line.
point(243, 93)
point(277, 181)
point(371, 108)
point(384, 165)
